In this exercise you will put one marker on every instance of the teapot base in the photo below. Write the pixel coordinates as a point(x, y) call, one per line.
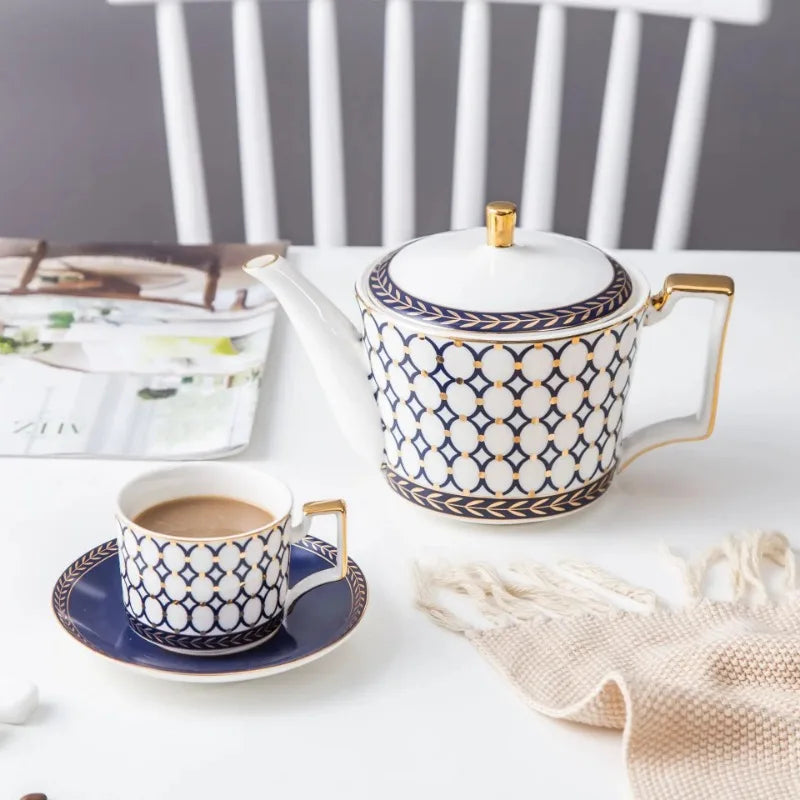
point(498, 510)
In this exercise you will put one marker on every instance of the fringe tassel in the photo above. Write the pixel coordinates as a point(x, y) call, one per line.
point(523, 592)
point(528, 591)
point(744, 558)
point(647, 599)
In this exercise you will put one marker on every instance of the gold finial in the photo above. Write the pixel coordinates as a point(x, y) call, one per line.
point(501, 217)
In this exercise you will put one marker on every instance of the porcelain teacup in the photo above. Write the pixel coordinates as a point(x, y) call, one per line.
point(220, 595)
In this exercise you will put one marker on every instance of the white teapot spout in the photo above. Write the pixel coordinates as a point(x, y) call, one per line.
point(334, 346)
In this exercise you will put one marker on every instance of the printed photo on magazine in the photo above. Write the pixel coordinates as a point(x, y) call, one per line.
point(130, 350)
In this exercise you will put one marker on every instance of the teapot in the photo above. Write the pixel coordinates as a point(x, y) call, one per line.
point(489, 377)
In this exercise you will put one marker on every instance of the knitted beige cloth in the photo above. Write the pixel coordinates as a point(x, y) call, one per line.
point(707, 697)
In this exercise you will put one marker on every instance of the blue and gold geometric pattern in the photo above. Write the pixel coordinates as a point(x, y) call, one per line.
point(502, 422)
point(205, 596)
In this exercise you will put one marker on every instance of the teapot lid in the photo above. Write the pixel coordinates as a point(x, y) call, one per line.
point(500, 280)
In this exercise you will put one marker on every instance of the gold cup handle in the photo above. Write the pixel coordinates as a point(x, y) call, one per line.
point(338, 570)
point(719, 289)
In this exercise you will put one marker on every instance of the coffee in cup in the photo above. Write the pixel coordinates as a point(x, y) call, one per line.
point(203, 517)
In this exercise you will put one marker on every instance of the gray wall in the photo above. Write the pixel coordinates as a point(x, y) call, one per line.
point(82, 151)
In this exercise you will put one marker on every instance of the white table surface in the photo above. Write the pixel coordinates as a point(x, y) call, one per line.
point(404, 708)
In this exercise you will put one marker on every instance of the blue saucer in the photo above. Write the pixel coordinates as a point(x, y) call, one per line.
point(87, 601)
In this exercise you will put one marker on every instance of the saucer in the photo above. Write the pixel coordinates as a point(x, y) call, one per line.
point(87, 601)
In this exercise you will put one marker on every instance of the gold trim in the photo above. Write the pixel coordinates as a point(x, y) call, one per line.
point(237, 676)
point(231, 537)
point(315, 507)
point(497, 508)
point(261, 262)
point(501, 219)
point(393, 298)
point(694, 284)
point(410, 326)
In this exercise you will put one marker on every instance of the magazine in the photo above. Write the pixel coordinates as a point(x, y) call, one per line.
point(130, 350)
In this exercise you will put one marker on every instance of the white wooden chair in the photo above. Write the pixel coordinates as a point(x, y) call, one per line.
point(470, 147)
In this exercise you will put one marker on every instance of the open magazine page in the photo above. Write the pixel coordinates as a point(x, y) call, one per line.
point(134, 351)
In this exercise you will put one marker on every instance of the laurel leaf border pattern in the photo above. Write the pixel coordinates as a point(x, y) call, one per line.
point(612, 298)
point(494, 508)
point(204, 644)
point(70, 577)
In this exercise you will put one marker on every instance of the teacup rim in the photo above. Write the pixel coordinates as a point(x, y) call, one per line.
point(200, 467)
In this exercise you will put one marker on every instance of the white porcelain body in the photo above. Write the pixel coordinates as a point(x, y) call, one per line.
point(211, 596)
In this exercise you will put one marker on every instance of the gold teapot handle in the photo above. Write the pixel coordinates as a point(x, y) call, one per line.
point(719, 289)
